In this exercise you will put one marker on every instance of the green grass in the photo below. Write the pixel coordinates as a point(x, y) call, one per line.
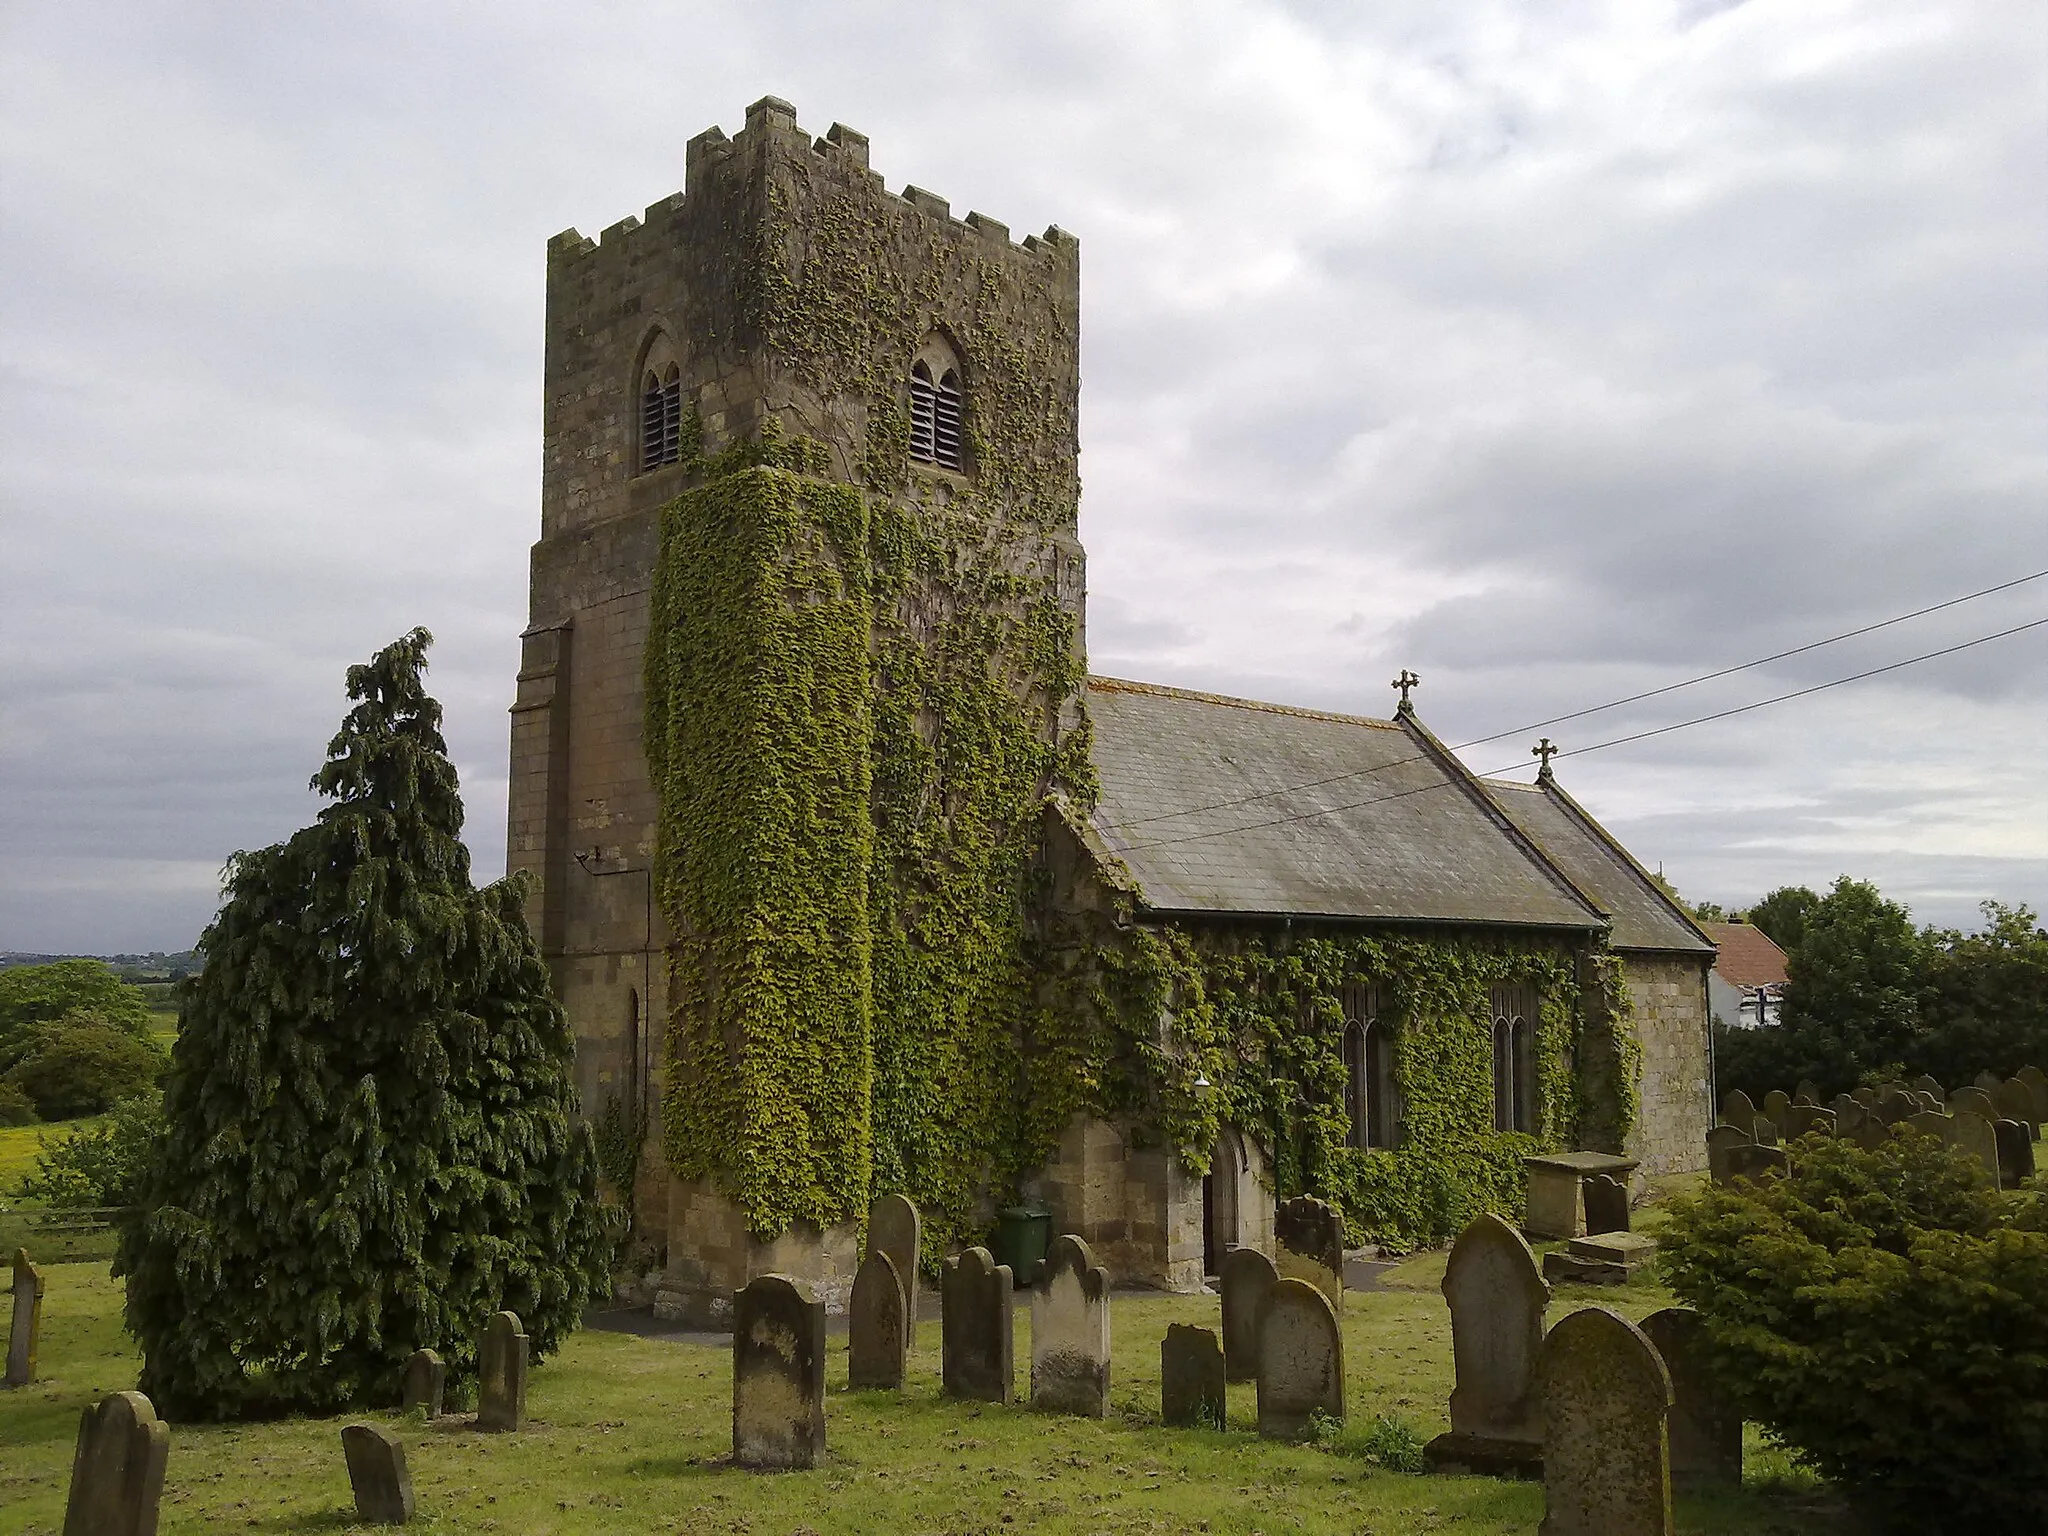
point(632, 1435)
point(21, 1145)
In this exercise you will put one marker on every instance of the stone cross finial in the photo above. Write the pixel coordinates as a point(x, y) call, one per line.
point(1404, 682)
point(1546, 750)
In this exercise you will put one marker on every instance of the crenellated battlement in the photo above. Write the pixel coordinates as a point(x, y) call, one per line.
point(771, 126)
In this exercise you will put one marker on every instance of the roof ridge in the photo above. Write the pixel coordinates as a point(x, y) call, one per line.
point(1195, 695)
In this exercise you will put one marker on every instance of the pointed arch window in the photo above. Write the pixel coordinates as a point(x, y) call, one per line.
point(937, 409)
point(661, 417)
point(1370, 1099)
point(1514, 1058)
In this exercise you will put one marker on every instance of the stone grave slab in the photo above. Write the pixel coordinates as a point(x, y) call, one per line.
point(976, 1305)
point(1556, 1200)
point(1606, 1441)
point(1497, 1296)
point(117, 1469)
point(1739, 1109)
point(1977, 1136)
point(501, 1376)
point(426, 1382)
point(1607, 1258)
point(2037, 1082)
point(2014, 1100)
point(1246, 1278)
point(1308, 1238)
point(1927, 1085)
point(877, 1325)
point(1301, 1361)
point(1706, 1429)
point(1191, 1378)
point(1070, 1332)
point(2015, 1152)
point(1720, 1141)
point(377, 1473)
point(1756, 1162)
point(778, 1375)
point(1974, 1099)
point(1807, 1093)
point(895, 1228)
point(1776, 1102)
point(26, 1329)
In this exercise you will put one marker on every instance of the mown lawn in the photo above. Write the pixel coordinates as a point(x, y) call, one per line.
point(632, 1434)
point(20, 1145)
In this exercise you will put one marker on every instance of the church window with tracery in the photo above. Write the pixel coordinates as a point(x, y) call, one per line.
point(937, 406)
point(1371, 1101)
point(1514, 1051)
point(661, 417)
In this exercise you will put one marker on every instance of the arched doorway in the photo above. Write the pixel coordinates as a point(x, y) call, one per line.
point(1224, 1199)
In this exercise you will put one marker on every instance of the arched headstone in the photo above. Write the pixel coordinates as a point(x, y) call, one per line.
point(1246, 1278)
point(2036, 1081)
point(1928, 1085)
point(778, 1375)
point(1070, 1332)
point(117, 1470)
point(976, 1303)
point(1309, 1234)
point(1776, 1102)
point(1497, 1294)
point(895, 1228)
point(1977, 1135)
point(1739, 1110)
point(1606, 1443)
point(1987, 1080)
point(1808, 1120)
point(1301, 1361)
point(1706, 1429)
point(877, 1327)
point(426, 1379)
point(2015, 1152)
point(2015, 1101)
point(1932, 1123)
point(1807, 1093)
point(1722, 1140)
point(1974, 1099)
point(501, 1375)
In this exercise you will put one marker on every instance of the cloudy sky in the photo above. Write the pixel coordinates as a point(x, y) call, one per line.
point(1555, 351)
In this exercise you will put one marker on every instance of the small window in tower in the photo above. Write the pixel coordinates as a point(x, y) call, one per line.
point(661, 418)
point(937, 409)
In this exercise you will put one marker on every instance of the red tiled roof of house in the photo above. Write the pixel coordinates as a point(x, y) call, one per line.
point(1748, 957)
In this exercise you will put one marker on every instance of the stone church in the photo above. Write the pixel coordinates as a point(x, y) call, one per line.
point(853, 880)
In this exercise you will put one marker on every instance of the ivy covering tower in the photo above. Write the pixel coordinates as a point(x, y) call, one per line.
point(371, 1139)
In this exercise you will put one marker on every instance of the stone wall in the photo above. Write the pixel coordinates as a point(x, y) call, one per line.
point(1135, 1206)
point(1668, 1009)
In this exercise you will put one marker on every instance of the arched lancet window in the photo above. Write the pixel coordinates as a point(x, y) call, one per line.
point(1371, 1101)
point(937, 408)
point(661, 417)
point(635, 1067)
point(1514, 1040)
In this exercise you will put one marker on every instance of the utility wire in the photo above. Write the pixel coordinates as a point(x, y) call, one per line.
point(1598, 746)
point(1580, 714)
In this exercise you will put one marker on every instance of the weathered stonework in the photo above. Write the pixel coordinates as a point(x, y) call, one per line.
point(1668, 1011)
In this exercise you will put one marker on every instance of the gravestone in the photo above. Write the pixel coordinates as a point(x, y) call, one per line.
point(895, 1228)
point(2015, 1101)
point(1808, 1120)
point(1848, 1114)
point(1987, 1080)
point(501, 1375)
point(1870, 1131)
point(1739, 1110)
point(1555, 1205)
point(1927, 1085)
point(1973, 1099)
point(2015, 1152)
point(1606, 1204)
point(1309, 1236)
point(1706, 1429)
point(1496, 1295)
point(1608, 1258)
point(975, 1308)
point(2036, 1081)
point(1070, 1332)
point(27, 1327)
point(1765, 1131)
point(1754, 1163)
point(1894, 1104)
point(377, 1473)
point(1866, 1096)
point(1246, 1278)
point(1301, 1361)
point(1191, 1378)
point(1932, 1123)
point(1807, 1093)
point(426, 1379)
point(1606, 1441)
point(1977, 1136)
point(117, 1470)
point(877, 1325)
point(778, 1375)
point(1722, 1141)
point(1776, 1102)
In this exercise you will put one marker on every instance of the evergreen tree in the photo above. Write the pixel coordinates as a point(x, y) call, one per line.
point(370, 1135)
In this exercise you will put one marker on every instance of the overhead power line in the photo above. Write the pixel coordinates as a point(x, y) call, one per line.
point(1598, 746)
point(1580, 714)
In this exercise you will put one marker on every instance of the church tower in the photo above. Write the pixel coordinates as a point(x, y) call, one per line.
point(803, 673)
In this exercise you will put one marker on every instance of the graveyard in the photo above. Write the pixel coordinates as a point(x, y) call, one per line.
point(624, 1432)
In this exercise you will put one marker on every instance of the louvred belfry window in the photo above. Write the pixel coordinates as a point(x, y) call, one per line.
point(661, 419)
point(936, 409)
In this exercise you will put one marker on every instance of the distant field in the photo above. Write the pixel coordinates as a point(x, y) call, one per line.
point(21, 1144)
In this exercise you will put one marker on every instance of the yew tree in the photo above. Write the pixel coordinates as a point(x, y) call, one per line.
point(371, 1140)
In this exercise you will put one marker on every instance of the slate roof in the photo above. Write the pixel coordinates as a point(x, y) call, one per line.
point(1749, 956)
point(1643, 917)
point(1200, 801)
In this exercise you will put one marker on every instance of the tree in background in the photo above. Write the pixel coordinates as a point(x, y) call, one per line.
point(1985, 997)
point(1782, 915)
point(74, 1038)
point(371, 1142)
point(35, 999)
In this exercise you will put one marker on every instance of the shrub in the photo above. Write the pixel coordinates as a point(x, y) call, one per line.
point(37, 995)
point(84, 1065)
point(100, 1165)
point(16, 1108)
point(1885, 1314)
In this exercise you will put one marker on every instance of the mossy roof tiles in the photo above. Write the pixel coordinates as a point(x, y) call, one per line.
point(1223, 805)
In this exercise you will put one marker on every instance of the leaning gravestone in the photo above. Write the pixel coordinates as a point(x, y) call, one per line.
point(1070, 1332)
point(377, 1473)
point(1706, 1429)
point(778, 1375)
point(27, 1326)
point(895, 1228)
point(1301, 1362)
point(877, 1327)
point(975, 1308)
point(1191, 1385)
point(1310, 1237)
point(1722, 1141)
point(501, 1375)
point(1497, 1295)
point(1977, 1136)
point(2015, 1152)
point(1606, 1442)
point(1606, 1204)
point(1246, 1278)
point(426, 1379)
point(117, 1471)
